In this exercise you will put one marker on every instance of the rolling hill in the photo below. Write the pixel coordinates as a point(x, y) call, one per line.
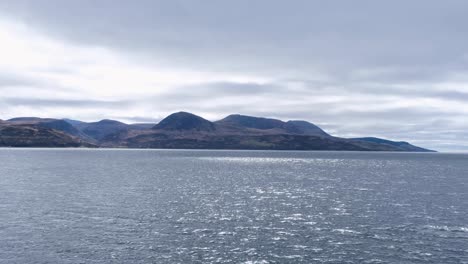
point(183, 130)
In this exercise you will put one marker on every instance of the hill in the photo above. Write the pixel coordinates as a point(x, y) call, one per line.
point(404, 146)
point(30, 135)
point(183, 121)
point(186, 130)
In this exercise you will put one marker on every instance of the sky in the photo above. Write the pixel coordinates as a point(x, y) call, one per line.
point(393, 69)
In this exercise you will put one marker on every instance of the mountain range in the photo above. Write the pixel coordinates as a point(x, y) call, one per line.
point(184, 130)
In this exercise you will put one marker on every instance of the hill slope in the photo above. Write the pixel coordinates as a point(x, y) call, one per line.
point(305, 128)
point(101, 129)
point(402, 145)
point(51, 123)
point(270, 125)
point(183, 121)
point(22, 135)
point(252, 122)
point(186, 130)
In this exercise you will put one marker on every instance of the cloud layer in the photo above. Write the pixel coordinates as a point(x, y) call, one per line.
point(396, 69)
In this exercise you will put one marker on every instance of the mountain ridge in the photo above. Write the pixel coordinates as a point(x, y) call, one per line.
point(184, 121)
point(187, 130)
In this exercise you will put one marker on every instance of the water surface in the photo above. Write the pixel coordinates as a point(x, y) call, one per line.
point(171, 206)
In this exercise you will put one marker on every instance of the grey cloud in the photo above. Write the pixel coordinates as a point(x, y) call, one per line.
point(51, 103)
point(366, 52)
point(218, 89)
point(276, 36)
point(414, 90)
point(11, 79)
point(13, 82)
point(452, 95)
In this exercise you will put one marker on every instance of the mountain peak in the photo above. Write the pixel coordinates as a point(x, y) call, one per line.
point(109, 122)
point(185, 121)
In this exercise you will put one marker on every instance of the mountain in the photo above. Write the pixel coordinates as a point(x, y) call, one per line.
point(183, 121)
point(28, 119)
point(305, 128)
point(101, 129)
point(185, 130)
point(253, 142)
point(252, 122)
point(270, 125)
point(34, 135)
point(404, 146)
point(57, 124)
point(189, 131)
point(75, 123)
point(142, 126)
point(63, 126)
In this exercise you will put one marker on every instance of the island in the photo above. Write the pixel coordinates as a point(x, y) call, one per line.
point(183, 130)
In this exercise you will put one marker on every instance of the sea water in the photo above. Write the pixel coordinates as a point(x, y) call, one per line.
point(184, 206)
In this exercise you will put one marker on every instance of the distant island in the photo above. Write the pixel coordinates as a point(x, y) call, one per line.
point(184, 130)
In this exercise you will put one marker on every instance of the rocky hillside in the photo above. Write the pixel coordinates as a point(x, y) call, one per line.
point(33, 135)
point(184, 130)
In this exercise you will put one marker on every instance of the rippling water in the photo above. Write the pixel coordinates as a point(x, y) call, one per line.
point(159, 206)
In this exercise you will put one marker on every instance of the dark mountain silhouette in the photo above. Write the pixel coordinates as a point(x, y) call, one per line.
point(259, 142)
point(272, 125)
point(183, 121)
point(252, 122)
point(61, 125)
point(304, 127)
point(28, 119)
point(101, 129)
point(186, 130)
point(142, 126)
point(33, 135)
point(404, 146)
point(75, 123)
point(57, 124)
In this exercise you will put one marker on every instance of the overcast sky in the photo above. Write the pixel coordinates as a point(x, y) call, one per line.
point(394, 69)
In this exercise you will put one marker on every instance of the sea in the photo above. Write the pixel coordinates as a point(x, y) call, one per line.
point(203, 206)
